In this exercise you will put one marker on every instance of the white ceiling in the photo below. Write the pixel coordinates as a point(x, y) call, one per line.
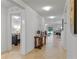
point(56, 10)
point(7, 3)
point(57, 6)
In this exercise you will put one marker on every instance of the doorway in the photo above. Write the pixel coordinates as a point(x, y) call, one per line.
point(16, 31)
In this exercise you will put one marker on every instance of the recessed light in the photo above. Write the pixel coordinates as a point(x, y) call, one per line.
point(61, 27)
point(46, 24)
point(51, 17)
point(16, 17)
point(16, 26)
point(47, 8)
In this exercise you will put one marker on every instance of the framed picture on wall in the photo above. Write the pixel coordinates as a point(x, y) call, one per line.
point(73, 16)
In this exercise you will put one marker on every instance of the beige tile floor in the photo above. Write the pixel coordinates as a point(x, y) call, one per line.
point(52, 50)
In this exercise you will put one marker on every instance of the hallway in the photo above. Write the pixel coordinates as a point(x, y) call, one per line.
point(50, 51)
point(21, 20)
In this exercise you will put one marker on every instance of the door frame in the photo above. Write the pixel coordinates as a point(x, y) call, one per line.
point(9, 24)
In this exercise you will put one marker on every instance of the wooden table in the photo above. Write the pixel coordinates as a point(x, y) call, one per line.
point(38, 42)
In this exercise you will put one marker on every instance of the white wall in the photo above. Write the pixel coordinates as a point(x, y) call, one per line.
point(32, 24)
point(64, 32)
point(69, 39)
point(71, 44)
point(4, 44)
point(6, 28)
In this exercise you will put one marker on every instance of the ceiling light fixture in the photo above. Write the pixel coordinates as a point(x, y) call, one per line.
point(46, 24)
point(47, 8)
point(51, 17)
point(16, 26)
point(16, 17)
